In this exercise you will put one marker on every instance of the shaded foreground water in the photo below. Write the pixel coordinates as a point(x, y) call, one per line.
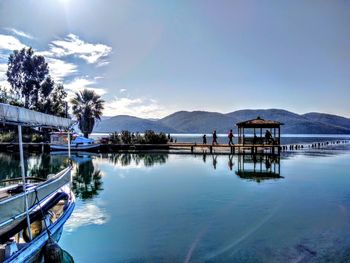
point(186, 208)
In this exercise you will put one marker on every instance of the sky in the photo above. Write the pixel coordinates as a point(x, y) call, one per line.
point(152, 58)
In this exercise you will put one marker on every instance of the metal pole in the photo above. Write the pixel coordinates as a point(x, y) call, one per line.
point(68, 135)
point(21, 156)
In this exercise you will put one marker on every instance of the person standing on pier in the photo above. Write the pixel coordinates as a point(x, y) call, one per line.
point(215, 138)
point(204, 139)
point(230, 137)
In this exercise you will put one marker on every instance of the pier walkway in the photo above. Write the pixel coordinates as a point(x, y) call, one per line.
point(194, 148)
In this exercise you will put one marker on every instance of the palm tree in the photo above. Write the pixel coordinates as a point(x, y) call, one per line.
point(87, 107)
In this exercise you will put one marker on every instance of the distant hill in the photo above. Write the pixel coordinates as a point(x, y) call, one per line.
point(206, 122)
point(197, 121)
point(328, 118)
point(295, 123)
point(130, 123)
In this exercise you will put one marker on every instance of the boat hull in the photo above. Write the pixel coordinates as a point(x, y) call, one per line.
point(33, 251)
point(78, 147)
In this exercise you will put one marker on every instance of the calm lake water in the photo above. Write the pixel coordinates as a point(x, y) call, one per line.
point(186, 208)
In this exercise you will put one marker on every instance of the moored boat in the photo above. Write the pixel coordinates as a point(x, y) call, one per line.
point(32, 215)
point(47, 217)
point(59, 142)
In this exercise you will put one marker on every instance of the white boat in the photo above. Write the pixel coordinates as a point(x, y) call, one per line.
point(32, 213)
point(79, 143)
point(51, 201)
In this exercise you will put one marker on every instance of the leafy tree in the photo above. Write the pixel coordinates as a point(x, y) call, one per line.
point(6, 97)
point(54, 102)
point(58, 105)
point(87, 107)
point(28, 75)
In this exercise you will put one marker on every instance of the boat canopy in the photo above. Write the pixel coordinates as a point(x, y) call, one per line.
point(18, 115)
point(81, 139)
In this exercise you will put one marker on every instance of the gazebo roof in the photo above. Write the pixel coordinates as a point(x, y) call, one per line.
point(259, 123)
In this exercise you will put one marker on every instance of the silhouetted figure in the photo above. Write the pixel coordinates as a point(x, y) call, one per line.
point(215, 161)
point(204, 139)
point(204, 157)
point(267, 164)
point(230, 138)
point(255, 160)
point(215, 138)
point(268, 136)
point(169, 138)
point(230, 162)
point(255, 139)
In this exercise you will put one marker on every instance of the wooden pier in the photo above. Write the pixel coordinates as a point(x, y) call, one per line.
point(193, 148)
point(226, 148)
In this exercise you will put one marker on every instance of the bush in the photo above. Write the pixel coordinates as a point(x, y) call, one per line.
point(125, 137)
point(151, 137)
point(37, 138)
point(139, 139)
point(114, 138)
point(7, 137)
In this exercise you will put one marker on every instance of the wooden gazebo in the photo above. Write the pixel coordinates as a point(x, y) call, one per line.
point(259, 167)
point(261, 132)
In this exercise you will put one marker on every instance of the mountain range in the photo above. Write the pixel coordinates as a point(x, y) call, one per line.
point(206, 122)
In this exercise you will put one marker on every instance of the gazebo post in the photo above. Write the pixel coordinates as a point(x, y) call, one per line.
point(243, 135)
point(238, 134)
point(279, 135)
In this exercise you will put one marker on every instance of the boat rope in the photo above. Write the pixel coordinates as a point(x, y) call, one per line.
point(42, 213)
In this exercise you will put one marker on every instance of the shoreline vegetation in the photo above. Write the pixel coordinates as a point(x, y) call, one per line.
point(150, 141)
point(124, 137)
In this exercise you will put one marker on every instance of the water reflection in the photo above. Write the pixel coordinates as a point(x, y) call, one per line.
point(230, 162)
point(259, 167)
point(87, 178)
point(39, 166)
point(145, 159)
point(44, 164)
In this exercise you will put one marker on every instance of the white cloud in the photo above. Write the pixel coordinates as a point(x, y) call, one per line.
point(122, 90)
point(3, 56)
point(3, 69)
point(73, 45)
point(103, 63)
point(3, 78)
point(87, 214)
point(8, 42)
point(55, 57)
point(60, 69)
point(78, 84)
point(144, 108)
point(19, 33)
